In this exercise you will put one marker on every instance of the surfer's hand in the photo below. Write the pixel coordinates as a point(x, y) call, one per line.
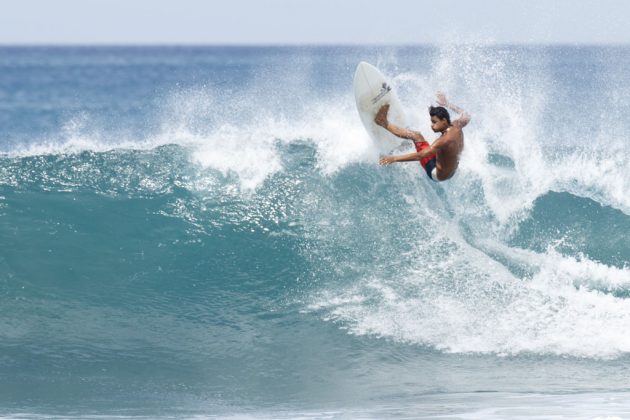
point(387, 160)
point(381, 116)
point(441, 99)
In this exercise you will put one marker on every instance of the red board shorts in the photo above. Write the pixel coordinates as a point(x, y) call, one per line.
point(429, 162)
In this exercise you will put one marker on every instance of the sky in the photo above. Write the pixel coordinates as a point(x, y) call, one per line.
point(313, 22)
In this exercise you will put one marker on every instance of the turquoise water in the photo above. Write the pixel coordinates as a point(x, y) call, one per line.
point(204, 232)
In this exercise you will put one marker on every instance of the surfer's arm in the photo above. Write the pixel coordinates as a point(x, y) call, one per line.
point(410, 157)
point(386, 160)
point(403, 133)
point(464, 118)
point(437, 145)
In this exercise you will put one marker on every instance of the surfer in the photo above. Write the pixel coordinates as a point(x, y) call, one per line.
point(440, 159)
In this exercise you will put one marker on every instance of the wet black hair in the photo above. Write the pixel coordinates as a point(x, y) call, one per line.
point(440, 112)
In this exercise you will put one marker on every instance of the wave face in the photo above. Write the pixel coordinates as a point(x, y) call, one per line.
point(206, 230)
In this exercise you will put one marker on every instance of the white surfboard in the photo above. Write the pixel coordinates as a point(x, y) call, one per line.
point(371, 91)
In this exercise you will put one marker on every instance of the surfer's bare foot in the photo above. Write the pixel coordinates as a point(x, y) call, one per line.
point(381, 116)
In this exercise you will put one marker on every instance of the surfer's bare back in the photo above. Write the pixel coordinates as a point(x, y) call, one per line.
point(440, 159)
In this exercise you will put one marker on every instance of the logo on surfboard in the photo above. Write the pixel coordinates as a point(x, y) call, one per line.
point(384, 90)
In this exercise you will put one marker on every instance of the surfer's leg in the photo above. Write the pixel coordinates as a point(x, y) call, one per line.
point(431, 169)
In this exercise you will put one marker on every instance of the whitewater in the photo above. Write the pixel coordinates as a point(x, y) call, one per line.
point(206, 232)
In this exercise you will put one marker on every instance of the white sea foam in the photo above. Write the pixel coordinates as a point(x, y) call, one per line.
point(470, 303)
point(251, 150)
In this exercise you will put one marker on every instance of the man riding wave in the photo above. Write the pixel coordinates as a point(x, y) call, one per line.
point(441, 158)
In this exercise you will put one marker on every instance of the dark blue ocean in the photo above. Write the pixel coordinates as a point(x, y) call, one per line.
point(201, 232)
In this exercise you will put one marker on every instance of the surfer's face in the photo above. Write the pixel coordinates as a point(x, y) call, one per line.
point(438, 124)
